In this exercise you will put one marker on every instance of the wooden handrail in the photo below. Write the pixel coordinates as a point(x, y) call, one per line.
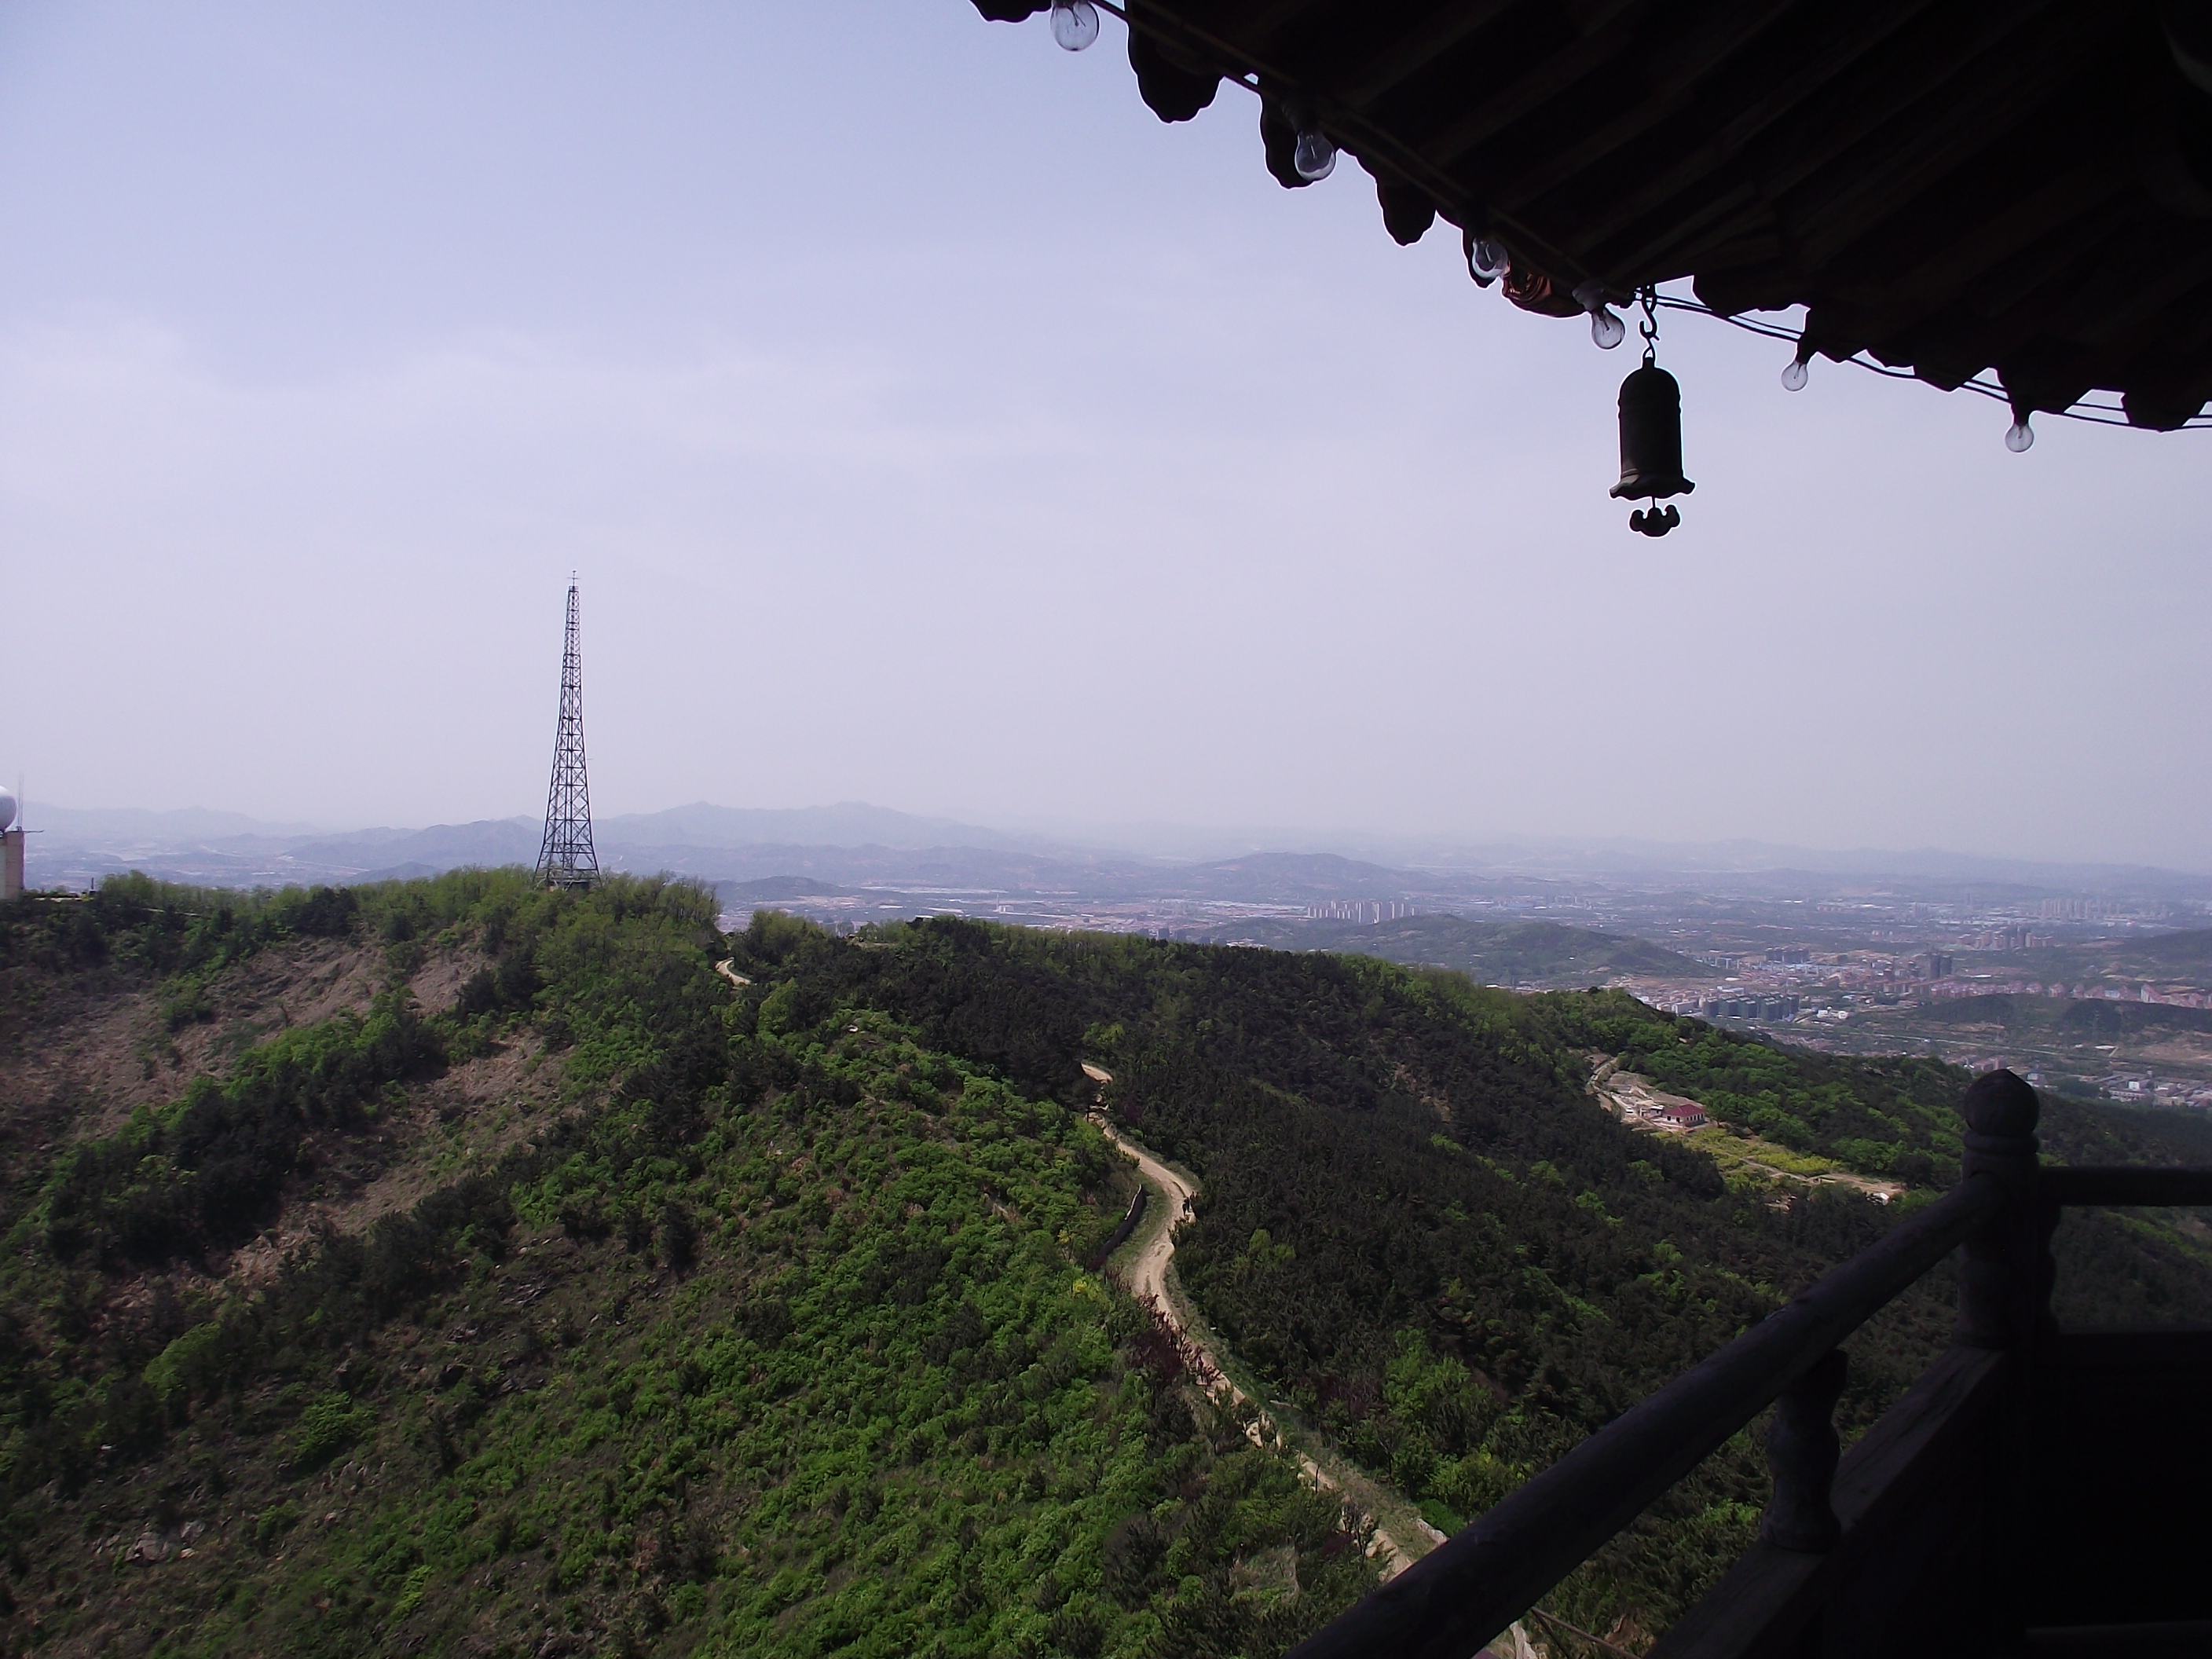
point(2123, 1185)
point(1454, 1600)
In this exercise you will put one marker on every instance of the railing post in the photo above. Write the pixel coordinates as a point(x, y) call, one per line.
point(1801, 1450)
point(2004, 1281)
point(2004, 1295)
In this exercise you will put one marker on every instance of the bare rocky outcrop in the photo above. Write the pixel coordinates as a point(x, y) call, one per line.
point(89, 1058)
point(95, 1054)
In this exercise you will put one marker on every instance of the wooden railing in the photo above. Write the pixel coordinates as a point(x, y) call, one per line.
point(1846, 1547)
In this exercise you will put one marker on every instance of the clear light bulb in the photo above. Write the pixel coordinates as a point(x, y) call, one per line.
point(1489, 259)
point(1315, 157)
point(2020, 436)
point(1794, 376)
point(1074, 23)
point(1606, 330)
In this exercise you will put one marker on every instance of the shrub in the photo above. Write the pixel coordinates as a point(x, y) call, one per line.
point(273, 1523)
point(330, 1424)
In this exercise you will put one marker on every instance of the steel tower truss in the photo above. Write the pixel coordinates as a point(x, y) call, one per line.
point(566, 859)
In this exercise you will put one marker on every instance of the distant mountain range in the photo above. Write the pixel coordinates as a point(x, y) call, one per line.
point(127, 822)
point(1268, 878)
point(856, 840)
point(852, 843)
point(858, 845)
point(848, 824)
point(1765, 866)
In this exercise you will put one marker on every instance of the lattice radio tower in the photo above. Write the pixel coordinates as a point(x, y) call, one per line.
point(566, 859)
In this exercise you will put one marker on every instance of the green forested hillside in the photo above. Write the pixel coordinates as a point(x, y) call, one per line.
point(1494, 952)
point(1418, 1224)
point(772, 1332)
point(2176, 950)
point(1895, 1117)
point(453, 1267)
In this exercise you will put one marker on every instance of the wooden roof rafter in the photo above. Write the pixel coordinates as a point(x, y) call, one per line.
point(1958, 186)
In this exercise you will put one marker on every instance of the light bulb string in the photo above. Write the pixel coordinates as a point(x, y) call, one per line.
point(1447, 190)
point(2096, 414)
point(1369, 142)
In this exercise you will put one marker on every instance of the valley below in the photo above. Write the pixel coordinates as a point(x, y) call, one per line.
point(446, 1264)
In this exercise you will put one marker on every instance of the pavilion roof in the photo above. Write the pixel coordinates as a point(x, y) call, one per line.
point(1954, 186)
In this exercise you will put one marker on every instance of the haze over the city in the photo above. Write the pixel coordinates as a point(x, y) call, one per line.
point(928, 425)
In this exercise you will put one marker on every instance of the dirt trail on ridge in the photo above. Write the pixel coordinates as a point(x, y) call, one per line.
point(1149, 1282)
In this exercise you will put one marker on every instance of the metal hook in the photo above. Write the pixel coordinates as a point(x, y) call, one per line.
point(1649, 328)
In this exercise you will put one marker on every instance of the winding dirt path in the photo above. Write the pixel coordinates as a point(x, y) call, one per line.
point(1148, 1282)
point(1148, 1274)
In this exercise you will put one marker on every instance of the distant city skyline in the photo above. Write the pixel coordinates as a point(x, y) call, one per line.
point(928, 423)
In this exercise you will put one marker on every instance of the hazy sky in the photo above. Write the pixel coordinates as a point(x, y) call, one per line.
point(929, 424)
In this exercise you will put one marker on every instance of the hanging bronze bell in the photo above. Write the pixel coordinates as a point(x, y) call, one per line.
point(1652, 437)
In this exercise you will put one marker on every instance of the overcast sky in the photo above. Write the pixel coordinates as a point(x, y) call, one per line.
point(929, 424)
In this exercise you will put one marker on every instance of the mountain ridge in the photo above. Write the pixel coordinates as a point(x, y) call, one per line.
point(853, 822)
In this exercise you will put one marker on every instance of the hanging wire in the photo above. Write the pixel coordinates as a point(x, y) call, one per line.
point(2098, 409)
point(1246, 80)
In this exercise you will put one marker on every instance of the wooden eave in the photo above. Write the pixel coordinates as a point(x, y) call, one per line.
point(1957, 186)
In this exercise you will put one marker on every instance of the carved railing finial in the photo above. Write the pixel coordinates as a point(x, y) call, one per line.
point(2000, 1105)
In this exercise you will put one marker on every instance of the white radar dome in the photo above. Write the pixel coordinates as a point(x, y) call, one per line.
point(7, 809)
